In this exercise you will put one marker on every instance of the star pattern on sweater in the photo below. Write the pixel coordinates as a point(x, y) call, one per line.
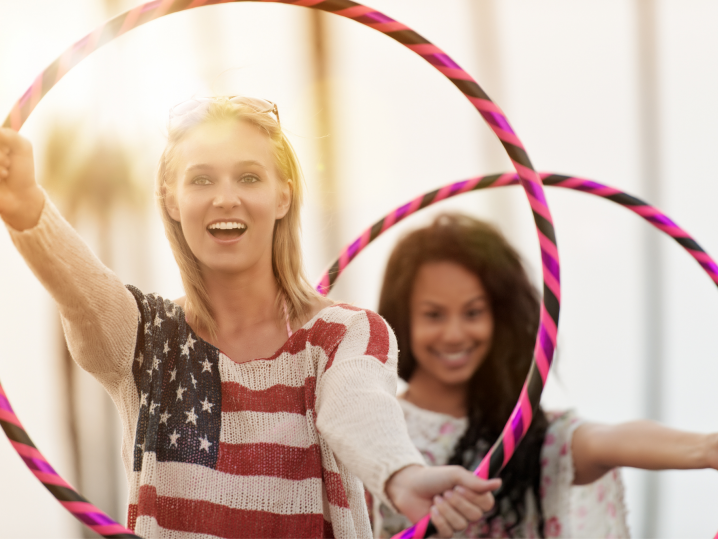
point(204, 443)
point(173, 438)
point(206, 405)
point(191, 417)
point(186, 429)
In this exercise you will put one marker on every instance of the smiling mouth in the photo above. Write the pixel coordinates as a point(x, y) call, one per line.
point(455, 358)
point(227, 230)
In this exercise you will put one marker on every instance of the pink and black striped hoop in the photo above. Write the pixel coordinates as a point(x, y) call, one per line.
point(527, 177)
point(494, 460)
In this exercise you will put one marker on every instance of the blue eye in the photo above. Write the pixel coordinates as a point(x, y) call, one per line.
point(201, 180)
point(249, 178)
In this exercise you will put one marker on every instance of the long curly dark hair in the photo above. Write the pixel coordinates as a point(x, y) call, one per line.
point(494, 388)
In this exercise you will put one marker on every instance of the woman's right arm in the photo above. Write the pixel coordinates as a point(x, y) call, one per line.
point(99, 313)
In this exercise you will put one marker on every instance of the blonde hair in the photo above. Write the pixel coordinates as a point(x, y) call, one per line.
point(287, 266)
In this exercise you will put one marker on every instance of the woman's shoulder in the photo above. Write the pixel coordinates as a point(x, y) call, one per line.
point(433, 433)
point(154, 309)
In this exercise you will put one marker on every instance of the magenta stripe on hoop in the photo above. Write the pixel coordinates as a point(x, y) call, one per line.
point(5, 404)
point(547, 343)
point(542, 364)
point(508, 439)
point(96, 518)
point(484, 105)
point(551, 264)
point(39, 465)
point(497, 120)
point(373, 17)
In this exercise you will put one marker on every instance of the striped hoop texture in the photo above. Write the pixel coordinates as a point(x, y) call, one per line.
point(83, 510)
point(492, 114)
point(654, 216)
point(502, 450)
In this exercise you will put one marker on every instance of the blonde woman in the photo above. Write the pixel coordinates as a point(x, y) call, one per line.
point(251, 407)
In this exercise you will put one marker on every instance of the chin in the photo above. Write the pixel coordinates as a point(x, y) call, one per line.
point(456, 378)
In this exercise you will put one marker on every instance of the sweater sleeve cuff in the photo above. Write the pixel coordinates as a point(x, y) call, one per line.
point(49, 215)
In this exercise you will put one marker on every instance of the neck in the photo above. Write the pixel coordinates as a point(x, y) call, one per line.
point(426, 391)
point(243, 300)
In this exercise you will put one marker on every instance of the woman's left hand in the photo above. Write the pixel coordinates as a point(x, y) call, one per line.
point(451, 494)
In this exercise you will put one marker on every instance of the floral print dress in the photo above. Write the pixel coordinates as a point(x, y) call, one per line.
point(595, 510)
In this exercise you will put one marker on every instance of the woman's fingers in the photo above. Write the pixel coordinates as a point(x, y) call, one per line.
point(485, 500)
point(443, 529)
point(471, 507)
point(451, 519)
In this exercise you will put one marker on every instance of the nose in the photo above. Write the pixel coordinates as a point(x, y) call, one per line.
point(454, 331)
point(226, 196)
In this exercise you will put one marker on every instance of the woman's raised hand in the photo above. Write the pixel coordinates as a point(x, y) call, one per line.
point(451, 494)
point(21, 199)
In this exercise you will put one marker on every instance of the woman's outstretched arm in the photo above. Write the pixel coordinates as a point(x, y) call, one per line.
point(639, 444)
point(99, 313)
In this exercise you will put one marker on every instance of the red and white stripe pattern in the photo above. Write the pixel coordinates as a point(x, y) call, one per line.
point(274, 474)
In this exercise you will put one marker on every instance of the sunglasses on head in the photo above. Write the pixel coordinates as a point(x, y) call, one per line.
point(261, 106)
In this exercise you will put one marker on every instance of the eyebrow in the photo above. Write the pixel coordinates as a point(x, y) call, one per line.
point(482, 297)
point(238, 164)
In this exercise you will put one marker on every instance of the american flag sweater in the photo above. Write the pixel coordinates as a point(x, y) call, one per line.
point(274, 447)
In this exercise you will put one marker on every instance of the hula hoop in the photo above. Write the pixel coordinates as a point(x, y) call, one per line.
point(651, 214)
point(530, 397)
point(494, 460)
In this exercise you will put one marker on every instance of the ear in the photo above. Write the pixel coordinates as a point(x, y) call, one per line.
point(284, 200)
point(171, 203)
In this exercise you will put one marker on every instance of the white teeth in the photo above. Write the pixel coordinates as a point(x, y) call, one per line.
point(455, 356)
point(227, 225)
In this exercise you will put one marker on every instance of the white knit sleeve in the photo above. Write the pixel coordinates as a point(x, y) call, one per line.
point(99, 315)
point(357, 410)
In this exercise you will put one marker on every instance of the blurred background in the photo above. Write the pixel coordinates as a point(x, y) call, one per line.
point(623, 92)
